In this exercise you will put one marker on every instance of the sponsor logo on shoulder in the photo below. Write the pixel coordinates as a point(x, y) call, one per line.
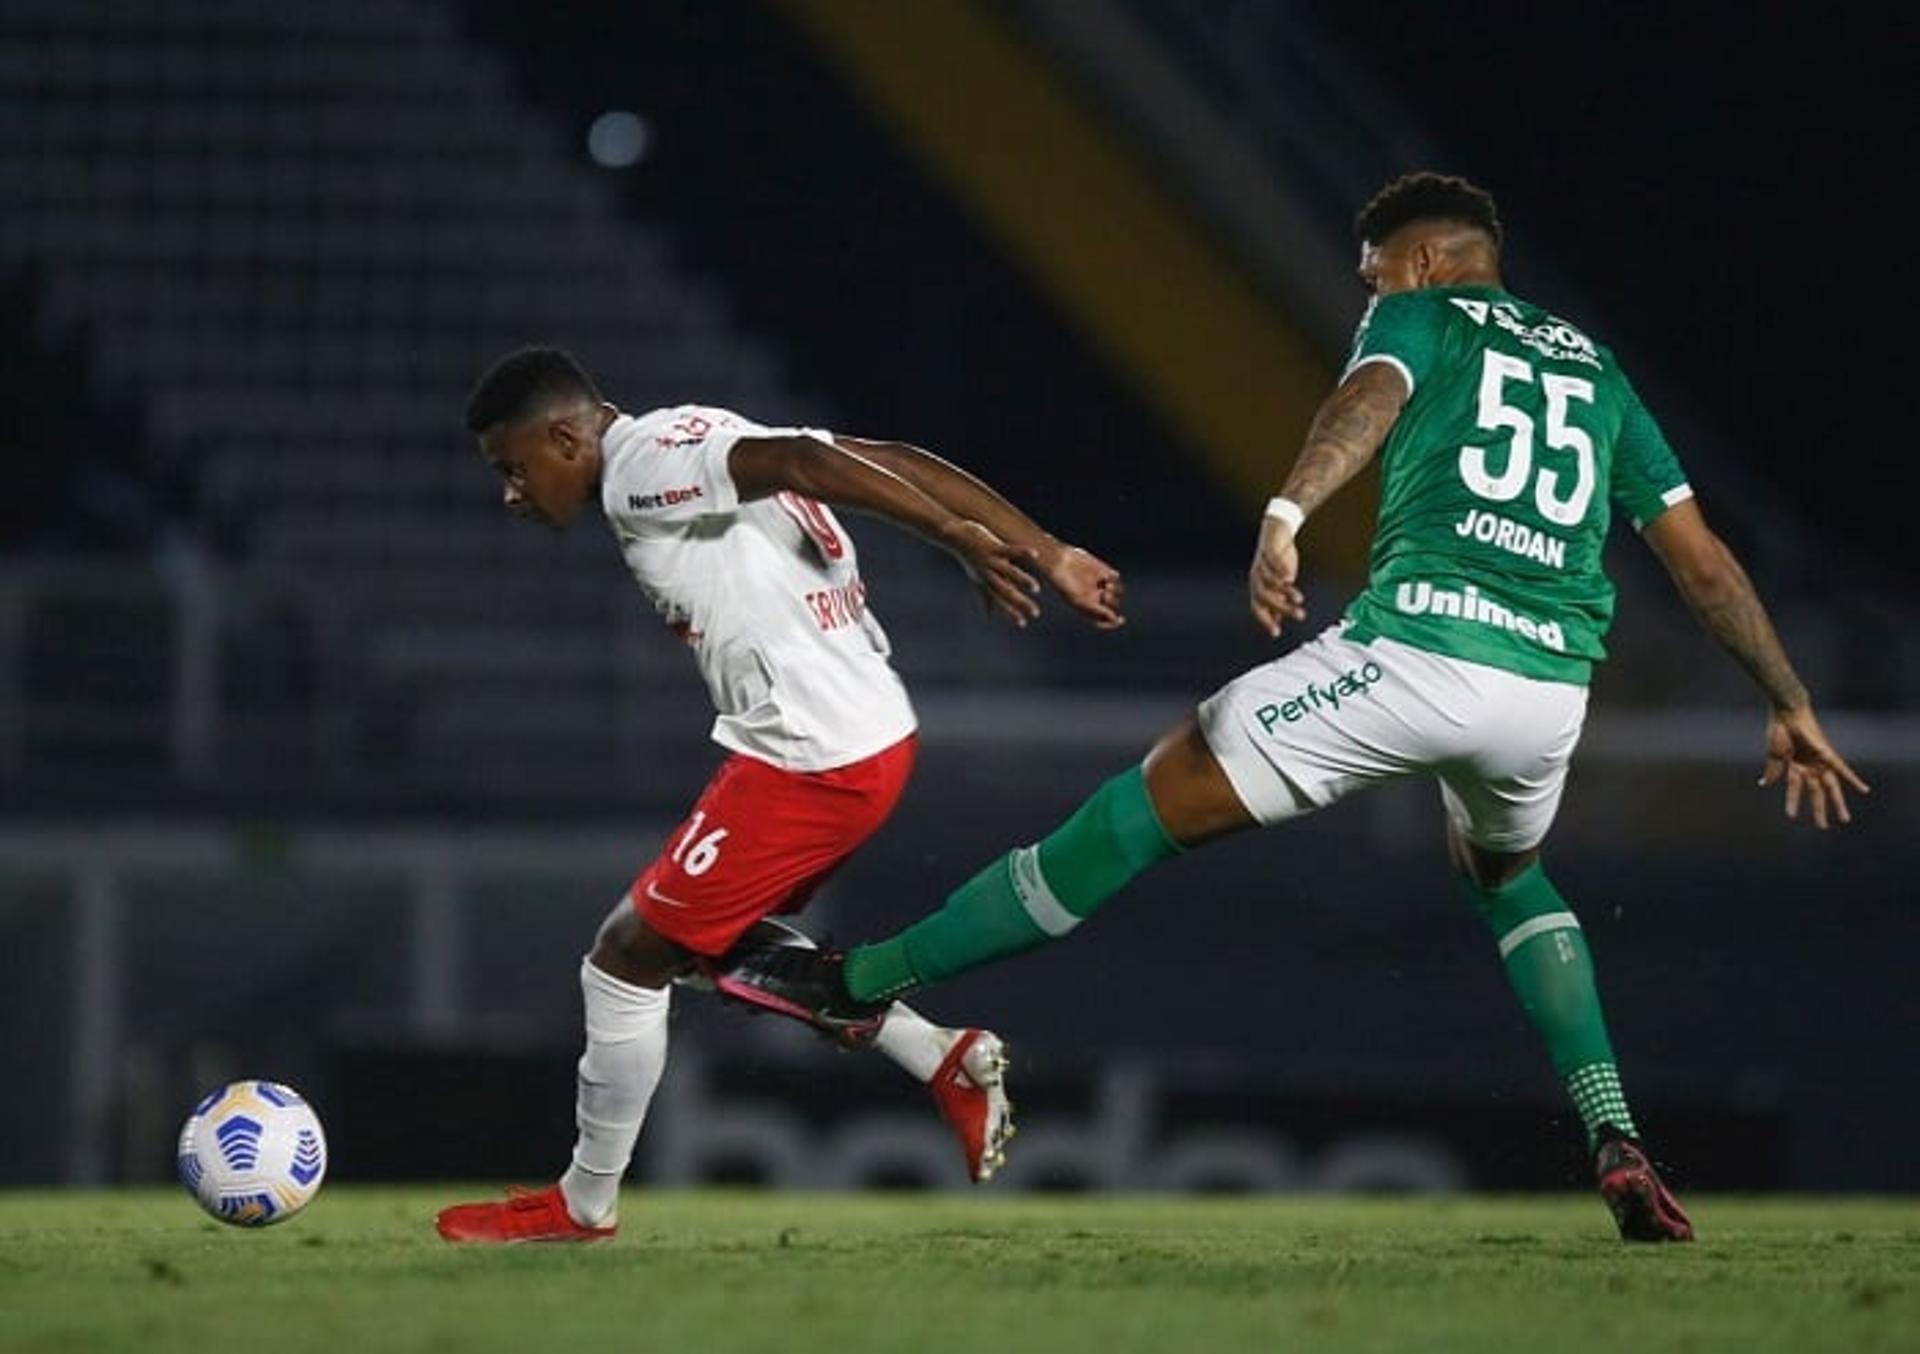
point(689, 429)
point(1421, 598)
point(1552, 337)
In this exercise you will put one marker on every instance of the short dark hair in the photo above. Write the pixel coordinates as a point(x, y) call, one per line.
point(522, 383)
point(1427, 196)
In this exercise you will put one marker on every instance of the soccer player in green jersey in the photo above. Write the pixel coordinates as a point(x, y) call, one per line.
point(1509, 439)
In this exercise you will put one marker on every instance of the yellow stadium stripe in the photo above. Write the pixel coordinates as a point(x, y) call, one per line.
point(1119, 253)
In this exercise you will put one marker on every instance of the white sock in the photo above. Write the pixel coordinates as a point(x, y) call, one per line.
point(626, 1053)
point(913, 1041)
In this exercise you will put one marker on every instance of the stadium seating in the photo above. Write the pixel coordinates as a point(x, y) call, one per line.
point(287, 238)
point(298, 233)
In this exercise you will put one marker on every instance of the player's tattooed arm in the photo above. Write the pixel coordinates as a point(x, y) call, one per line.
point(1347, 430)
point(1722, 597)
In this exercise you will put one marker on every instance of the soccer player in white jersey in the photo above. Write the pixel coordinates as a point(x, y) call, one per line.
point(726, 527)
point(1509, 437)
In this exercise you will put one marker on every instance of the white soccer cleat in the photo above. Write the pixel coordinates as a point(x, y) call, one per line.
point(970, 1087)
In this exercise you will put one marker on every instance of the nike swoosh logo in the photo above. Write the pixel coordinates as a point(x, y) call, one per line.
point(660, 897)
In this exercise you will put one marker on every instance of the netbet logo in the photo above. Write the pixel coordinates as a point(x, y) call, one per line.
point(670, 498)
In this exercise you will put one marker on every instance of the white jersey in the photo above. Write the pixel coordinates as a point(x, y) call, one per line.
point(767, 593)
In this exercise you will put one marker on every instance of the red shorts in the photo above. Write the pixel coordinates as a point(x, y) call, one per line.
point(760, 841)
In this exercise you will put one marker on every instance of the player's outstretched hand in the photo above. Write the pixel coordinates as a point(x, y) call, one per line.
point(1799, 753)
point(1271, 582)
point(999, 570)
point(1088, 583)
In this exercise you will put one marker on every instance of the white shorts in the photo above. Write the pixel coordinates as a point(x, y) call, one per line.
point(1335, 716)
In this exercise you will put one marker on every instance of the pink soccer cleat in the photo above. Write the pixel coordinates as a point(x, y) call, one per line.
point(1643, 1207)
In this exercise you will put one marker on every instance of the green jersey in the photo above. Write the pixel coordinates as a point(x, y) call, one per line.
point(1498, 481)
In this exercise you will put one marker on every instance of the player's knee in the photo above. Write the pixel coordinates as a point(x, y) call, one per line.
point(630, 950)
point(1484, 870)
point(1191, 797)
point(1508, 889)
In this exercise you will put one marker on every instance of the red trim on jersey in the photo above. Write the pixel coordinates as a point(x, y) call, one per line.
point(760, 841)
point(813, 518)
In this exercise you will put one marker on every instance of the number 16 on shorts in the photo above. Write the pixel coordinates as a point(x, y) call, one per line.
point(760, 841)
point(696, 857)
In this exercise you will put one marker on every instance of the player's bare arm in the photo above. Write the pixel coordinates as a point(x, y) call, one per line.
point(761, 466)
point(1347, 431)
point(1086, 582)
point(1722, 597)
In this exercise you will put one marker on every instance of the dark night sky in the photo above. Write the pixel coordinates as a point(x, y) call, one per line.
point(1718, 179)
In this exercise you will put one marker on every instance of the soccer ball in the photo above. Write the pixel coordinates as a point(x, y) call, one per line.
point(252, 1153)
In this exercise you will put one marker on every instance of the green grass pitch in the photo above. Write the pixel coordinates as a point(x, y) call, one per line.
point(362, 1271)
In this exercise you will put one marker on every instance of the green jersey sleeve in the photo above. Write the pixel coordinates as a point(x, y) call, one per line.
point(1404, 330)
point(1647, 478)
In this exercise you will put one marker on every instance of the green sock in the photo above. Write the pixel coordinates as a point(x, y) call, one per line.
point(1025, 898)
point(1551, 970)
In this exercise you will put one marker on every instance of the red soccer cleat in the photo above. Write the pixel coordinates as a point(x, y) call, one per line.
point(970, 1088)
point(1643, 1207)
point(525, 1215)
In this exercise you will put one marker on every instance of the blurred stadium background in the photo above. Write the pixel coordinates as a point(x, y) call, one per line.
point(314, 766)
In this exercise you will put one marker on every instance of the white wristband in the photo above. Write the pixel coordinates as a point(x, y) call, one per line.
point(1286, 510)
